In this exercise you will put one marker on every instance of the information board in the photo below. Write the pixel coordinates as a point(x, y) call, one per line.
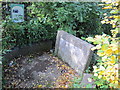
point(17, 12)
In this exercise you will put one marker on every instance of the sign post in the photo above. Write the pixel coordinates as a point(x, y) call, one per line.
point(17, 12)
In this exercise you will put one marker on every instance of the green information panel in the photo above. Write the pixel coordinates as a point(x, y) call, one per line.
point(17, 12)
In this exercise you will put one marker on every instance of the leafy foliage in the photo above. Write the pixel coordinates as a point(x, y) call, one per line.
point(75, 83)
point(76, 18)
point(44, 19)
point(19, 34)
point(106, 70)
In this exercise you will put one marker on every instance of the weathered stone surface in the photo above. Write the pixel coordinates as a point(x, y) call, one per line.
point(85, 81)
point(74, 51)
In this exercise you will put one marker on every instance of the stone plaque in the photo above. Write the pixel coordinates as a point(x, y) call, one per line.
point(74, 51)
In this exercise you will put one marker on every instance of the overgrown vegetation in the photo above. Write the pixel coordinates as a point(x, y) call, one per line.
point(44, 19)
point(106, 71)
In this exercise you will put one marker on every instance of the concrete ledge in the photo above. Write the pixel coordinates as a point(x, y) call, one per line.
point(30, 49)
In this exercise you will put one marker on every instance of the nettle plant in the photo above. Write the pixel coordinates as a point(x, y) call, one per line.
point(106, 73)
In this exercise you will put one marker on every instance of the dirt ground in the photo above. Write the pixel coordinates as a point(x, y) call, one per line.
point(37, 71)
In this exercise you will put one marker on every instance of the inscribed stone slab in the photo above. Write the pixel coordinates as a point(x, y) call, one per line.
point(74, 51)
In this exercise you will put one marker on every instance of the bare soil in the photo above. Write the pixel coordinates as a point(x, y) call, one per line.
point(35, 72)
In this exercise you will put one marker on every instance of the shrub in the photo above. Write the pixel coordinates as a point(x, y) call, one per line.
point(106, 70)
point(78, 18)
point(44, 19)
